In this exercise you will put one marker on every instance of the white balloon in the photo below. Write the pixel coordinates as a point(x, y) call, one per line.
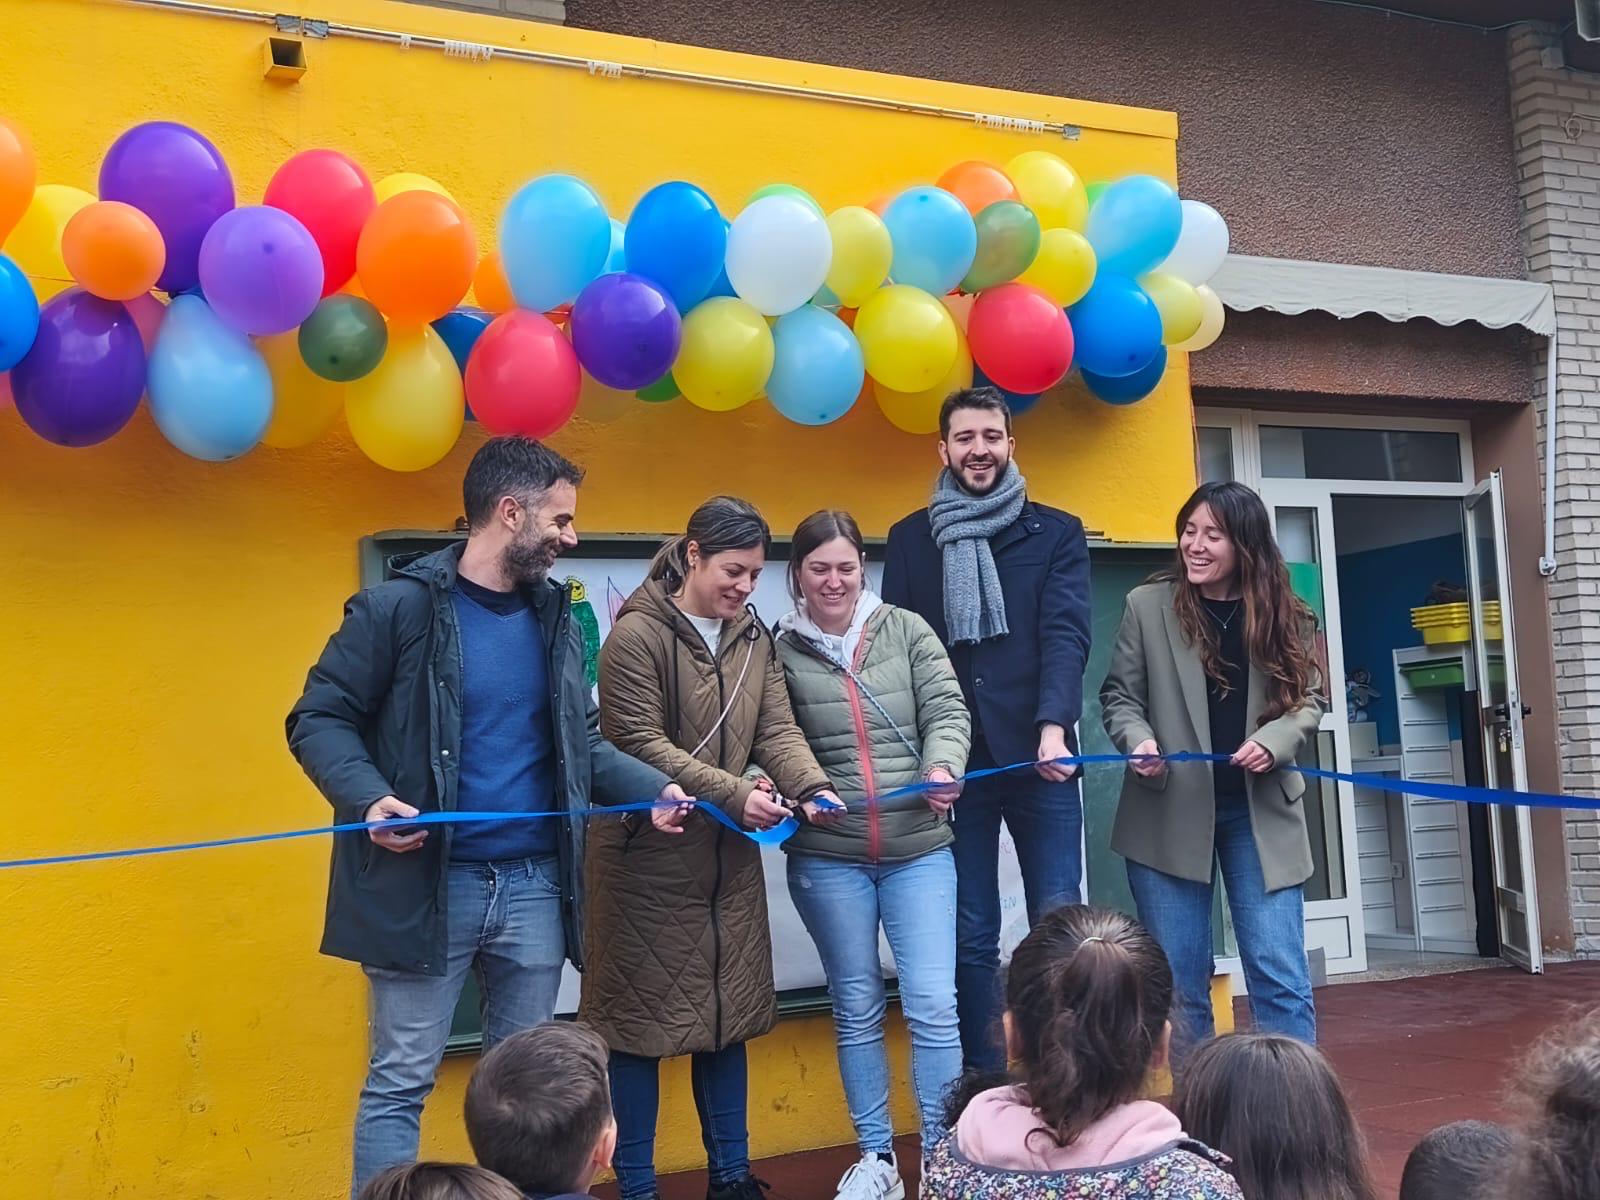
point(1202, 244)
point(779, 251)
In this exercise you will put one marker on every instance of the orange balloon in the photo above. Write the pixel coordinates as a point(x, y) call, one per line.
point(19, 171)
point(113, 250)
point(881, 203)
point(978, 185)
point(416, 257)
point(490, 287)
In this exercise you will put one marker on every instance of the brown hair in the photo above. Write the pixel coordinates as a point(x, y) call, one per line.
point(538, 1104)
point(1275, 1107)
point(817, 530)
point(1275, 619)
point(1556, 1158)
point(1088, 992)
point(990, 399)
point(721, 524)
point(438, 1181)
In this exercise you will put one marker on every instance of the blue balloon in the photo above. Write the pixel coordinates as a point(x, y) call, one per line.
point(1116, 328)
point(722, 287)
point(935, 239)
point(554, 240)
point(460, 330)
point(1134, 224)
point(1126, 389)
point(677, 239)
point(817, 369)
point(617, 260)
point(19, 314)
point(210, 391)
point(1017, 402)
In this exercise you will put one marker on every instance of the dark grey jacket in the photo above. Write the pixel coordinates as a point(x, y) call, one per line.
point(381, 715)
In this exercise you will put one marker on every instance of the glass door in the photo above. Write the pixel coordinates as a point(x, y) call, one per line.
point(1500, 719)
point(1302, 519)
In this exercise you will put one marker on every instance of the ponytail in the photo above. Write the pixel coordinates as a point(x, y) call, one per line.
point(1088, 991)
point(670, 565)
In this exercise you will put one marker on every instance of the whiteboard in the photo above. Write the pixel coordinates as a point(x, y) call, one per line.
point(607, 583)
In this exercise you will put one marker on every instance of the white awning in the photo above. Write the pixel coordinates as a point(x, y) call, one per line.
point(1291, 286)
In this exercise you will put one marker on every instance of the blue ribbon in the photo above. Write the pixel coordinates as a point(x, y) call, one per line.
point(785, 829)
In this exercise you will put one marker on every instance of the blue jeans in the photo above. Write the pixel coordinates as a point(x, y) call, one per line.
point(1270, 927)
point(1046, 823)
point(842, 905)
point(721, 1085)
point(504, 921)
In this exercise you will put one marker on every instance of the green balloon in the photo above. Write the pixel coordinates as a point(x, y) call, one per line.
point(665, 388)
point(1008, 242)
point(785, 189)
point(344, 338)
point(1094, 190)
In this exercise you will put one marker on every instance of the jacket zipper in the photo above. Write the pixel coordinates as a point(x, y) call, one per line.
point(864, 747)
point(557, 657)
point(716, 884)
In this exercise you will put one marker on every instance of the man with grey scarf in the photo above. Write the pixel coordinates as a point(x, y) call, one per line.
point(1005, 584)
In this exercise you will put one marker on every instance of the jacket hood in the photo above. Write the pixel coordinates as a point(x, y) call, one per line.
point(841, 648)
point(650, 599)
point(439, 568)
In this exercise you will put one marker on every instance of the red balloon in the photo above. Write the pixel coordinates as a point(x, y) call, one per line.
point(1020, 338)
point(332, 197)
point(522, 376)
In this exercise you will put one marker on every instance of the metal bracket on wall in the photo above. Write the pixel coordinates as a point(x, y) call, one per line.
point(305, 26)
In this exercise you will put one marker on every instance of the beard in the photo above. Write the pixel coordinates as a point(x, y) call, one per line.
point(529, 560)
point(996, 474)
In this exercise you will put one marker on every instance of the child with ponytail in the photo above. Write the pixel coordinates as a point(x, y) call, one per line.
point(1087, 999)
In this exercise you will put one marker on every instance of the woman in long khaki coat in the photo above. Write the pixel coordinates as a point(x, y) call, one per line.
point(1217, 656)
point(679, 959)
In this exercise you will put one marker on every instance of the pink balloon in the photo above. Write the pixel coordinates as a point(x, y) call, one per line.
point(147, 313)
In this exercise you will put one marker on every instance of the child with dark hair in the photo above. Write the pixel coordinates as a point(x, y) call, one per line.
point(1274, 1106)
point(1087, 999)
point(1558, 1154)
point(538, 1110)
point(1459, 1161)
point(438, 1181)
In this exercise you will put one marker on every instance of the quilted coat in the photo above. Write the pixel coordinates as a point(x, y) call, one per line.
point(676, 943)
point(894, 715)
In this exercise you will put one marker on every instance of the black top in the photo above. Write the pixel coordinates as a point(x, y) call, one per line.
point(1227, 710)
point(503, 603)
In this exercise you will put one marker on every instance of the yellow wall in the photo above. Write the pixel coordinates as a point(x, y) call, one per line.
point(170, 1030)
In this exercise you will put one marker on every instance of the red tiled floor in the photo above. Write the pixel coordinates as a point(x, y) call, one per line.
point(1415, 1054)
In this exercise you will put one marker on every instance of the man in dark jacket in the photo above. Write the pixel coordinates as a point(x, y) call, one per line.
point(459, 685)
point(1005, 584)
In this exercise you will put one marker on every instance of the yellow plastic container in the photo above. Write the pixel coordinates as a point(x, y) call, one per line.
point(1444, 624)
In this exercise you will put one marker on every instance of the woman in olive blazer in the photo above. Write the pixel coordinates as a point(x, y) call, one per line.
point(1217, 656)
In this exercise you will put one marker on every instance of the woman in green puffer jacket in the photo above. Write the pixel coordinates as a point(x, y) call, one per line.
point(877, 699)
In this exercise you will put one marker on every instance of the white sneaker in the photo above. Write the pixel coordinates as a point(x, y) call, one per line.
point(872, 1179)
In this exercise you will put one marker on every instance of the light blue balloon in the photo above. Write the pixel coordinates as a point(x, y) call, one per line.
point(935, 239)
point(1116, 328)
point(1134, 224)
point(555, 238)
point(817, 370)
point(1128, 389)
point(19, 314)
point(617, 260)
point(210, 391)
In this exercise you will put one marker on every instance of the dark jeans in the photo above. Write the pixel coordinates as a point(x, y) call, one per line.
point(1046, 823)
point(721, 1092)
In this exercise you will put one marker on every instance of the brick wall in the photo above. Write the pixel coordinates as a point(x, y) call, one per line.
point(1555, 116)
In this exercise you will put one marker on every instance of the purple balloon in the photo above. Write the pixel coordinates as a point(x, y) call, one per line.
point(82, 380)
point(626, 331)
point(261, 270)
point(176, 178)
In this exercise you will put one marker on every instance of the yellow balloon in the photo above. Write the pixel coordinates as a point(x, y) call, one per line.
point(407, 181)
point(304, 404)
point(1065, 267)
point(726, 355)
point(1210, 321)
point(862, 252)
point(908, 339)
point(35, 244)
point(1051, 188)
point(918, 412)
point(408, 412)
point(1178, 303)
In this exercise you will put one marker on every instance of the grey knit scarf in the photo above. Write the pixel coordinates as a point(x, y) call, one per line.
point(974, 606)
